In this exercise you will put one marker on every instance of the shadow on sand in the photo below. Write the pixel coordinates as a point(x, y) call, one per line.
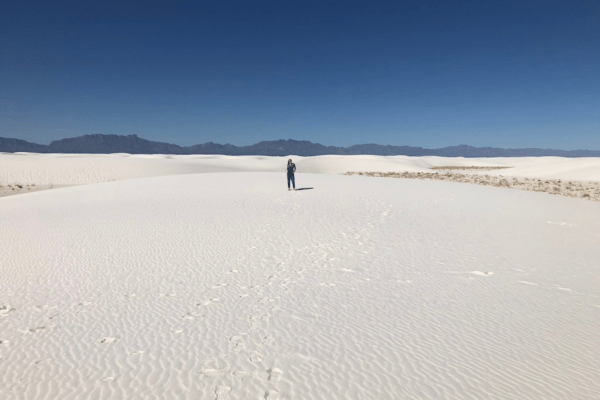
point(304, 188)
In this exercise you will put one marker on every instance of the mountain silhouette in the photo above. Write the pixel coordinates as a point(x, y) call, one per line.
point(132, 144)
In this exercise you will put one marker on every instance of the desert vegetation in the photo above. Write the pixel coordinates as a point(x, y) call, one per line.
point(582, 190)
point(16, 188)
point(467, 168)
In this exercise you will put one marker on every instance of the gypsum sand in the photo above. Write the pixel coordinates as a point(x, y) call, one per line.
point(577, 189)
point(351, 291)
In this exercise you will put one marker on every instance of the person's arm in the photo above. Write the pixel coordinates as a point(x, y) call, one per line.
point(294, 167)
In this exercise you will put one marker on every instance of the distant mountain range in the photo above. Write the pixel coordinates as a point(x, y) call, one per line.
point(132, 144)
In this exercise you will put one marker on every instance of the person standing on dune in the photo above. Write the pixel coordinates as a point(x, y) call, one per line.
point(291, 168)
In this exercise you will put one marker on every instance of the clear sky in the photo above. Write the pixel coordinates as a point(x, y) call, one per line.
point(424, 73)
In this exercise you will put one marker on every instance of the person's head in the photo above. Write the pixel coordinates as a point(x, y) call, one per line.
point(289, 161)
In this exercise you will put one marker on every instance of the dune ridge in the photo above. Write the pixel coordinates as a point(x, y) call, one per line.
point(72, 169)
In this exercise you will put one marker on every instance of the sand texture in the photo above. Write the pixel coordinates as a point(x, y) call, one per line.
point(227, 286)
point(202, 277)
point(74, 169)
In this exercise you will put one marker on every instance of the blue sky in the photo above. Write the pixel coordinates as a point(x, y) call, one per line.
point(422, 73)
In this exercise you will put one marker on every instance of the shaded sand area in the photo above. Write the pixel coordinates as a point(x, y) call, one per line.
point(227, 286)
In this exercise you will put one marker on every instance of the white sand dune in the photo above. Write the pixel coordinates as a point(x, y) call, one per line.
point(74, 169)
point(227, 286)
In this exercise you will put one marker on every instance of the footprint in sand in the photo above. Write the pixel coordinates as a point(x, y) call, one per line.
point(275, 374)
point(254, 327)
point(237, 338)
point(5, 310)
point(222, 392)
point(272, 395)
point(255, 357)
point(266, 317)
point(268, 341)
point(209, 359)
point(191, 316)
point(241, 374)
point(256, 317)
point(207, 302)
point(108, 339)
point(38, 328)
point(166, 295)
point(211, 372)
point(220, 285)
point(256, 309)
point(108, 379)
point(177, 331)
point(137, 353)
point(240, 346)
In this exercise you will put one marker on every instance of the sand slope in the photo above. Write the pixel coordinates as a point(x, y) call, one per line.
point(74, 169)
point(227, 286)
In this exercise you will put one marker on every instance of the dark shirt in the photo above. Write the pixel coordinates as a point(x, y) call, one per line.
point(291, 168)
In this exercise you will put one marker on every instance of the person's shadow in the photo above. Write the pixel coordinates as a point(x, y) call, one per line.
point(304, 188)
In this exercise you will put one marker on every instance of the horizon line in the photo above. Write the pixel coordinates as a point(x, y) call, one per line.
point(296, 140)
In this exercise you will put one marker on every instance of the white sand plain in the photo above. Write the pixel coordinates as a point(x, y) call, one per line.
point(71, 169)
point(226, 286)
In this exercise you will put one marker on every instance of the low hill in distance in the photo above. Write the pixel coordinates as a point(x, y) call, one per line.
point(132, 144)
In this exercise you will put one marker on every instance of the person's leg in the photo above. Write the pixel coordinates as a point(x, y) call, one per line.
point(294, 181)
point(289, 180)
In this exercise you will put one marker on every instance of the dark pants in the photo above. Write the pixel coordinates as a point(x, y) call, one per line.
point(291, 178)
